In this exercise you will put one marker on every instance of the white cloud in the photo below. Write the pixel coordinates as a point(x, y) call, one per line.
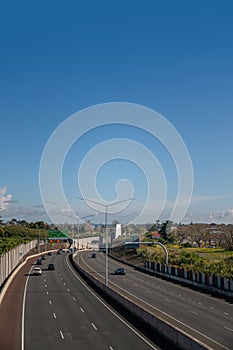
point(5, 199)
point(224, 216)
point(217, 217)
point(203, 198)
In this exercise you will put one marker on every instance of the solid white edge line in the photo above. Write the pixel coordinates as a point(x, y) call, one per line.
point(23, 310)
point(113, 312)
point(193, 329)
point(12, 275)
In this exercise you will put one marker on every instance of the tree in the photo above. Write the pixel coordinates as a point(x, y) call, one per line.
point(13, 221)
point(41, 224)
point(228, 239)
point(155, 227)
point(163, 230)
point(115, 222)
point(2, 232)
point(32, 225)
point(1, 221)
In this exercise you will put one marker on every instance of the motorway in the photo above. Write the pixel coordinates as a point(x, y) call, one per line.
point(61, 312)
point(207, 318)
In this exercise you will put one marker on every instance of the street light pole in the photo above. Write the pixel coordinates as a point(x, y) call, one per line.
point(39, 240)
point(106, 233)
point(84, 217)
point(72, 217)
point(106, 247)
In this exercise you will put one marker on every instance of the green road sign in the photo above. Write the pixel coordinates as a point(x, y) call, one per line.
point(58, 234)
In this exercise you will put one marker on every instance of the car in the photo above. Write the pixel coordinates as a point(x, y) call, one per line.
point(43, 257)
point(58, 252)
point(37, 271)
point(51, 266)
point(49, 253)
point(120, 271)
point(93, 255)
point(38, 262)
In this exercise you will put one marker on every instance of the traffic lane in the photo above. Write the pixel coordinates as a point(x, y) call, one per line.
point(179, 305)
point(84, 324)
point(57, 328)
point(94, 311)
point(168, 289)
point(208, 314)
point(36, 331)
point(79, 296)
point(214, 319)
point(11, 308)
point(50, 324)
point(160, 294)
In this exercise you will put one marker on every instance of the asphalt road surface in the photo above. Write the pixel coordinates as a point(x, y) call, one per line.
point(208, 318)
point(61, 312)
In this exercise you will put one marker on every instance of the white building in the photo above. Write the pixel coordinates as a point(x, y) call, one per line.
point(118, 230)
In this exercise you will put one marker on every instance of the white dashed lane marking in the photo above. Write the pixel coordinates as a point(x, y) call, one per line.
point(94, 326)
point(195, 313)
point(229, 329)
point(61, 334)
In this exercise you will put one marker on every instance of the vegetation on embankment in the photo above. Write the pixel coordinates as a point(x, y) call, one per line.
point(210, 261)
point(11, 236)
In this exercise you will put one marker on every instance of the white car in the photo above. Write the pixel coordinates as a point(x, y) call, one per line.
point(37, 271)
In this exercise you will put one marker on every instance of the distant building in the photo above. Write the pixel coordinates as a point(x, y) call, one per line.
point(155, 234)
point(118, 230)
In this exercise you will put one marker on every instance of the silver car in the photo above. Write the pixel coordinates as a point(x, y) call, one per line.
point(37, 271)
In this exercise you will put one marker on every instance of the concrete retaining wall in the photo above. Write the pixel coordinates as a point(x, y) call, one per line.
point(9, 260)
point(212, 283)
point(170, 332)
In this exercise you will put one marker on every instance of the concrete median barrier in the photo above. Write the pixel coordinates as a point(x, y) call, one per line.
point(176, 336)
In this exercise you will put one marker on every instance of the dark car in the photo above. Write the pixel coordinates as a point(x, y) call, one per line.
point(38, 262)
point(49, 253)
point(120, 271)
point(93, 255)
point(43, 257)
point(51, 267)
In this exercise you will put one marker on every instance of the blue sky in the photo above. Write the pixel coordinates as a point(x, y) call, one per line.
point(174, 57)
